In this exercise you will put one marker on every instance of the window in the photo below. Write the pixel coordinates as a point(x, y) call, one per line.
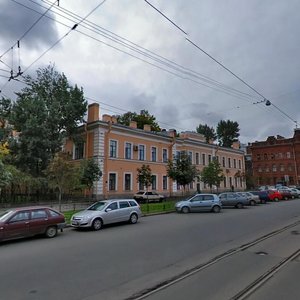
point(203, 159)
point(132, 203)
point(79, 150)
point(53, 213)
point(38, 214)
point(20, 216)
point(258, 156)
point(288, 155)
point(234, 163)
point(165, 182)
point(265, 156)
point(267, 169)
point(230, 181)
point(165, 155)
point(197, 158)
point(224, 182)
point(209, 158)
point(274, 168)
point(153, 182)
point(141, 152)
point(112, 148)
point(128, 151)
point(208, 197)
point(259, 169)
point(124, 204)
point(192, 185)
point(190, 154)
point(223, 162)
point(240, 164)
point(141, 186)
point(112, 181)
point(153, 153)
point(127, 182)
point(229, 162)
point(113, 206)
point(281, 168)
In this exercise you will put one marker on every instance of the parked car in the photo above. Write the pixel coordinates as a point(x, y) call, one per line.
point(274, 195)
point(107, 212)
point(296, 192)
point(233, 199)
point(199, 202)
point(262, 195)
point(148, 196)
point(29, 221)
point(253, 199)
point(286, 194)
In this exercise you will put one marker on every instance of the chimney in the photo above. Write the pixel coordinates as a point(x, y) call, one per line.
point(147, 127)
point(172, 132)
point(236, 145)
point(133, 124)
point(93, 112)
point(106, 118)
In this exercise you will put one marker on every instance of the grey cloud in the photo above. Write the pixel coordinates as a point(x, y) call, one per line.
point(15, 20)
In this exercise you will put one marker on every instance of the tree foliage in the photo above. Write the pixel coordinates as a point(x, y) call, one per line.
point(63, 174)
point(212, 174)
point(5, 175)
point(144, 176)
point(227, 132)
point(90, 172)
point(181, 169)
point(45, 112)
point(5, 111)
point(142, 119)
point(208, 132)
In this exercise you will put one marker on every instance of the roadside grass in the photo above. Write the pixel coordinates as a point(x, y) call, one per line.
point(147, 208)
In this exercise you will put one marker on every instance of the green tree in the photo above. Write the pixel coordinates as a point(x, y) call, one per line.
point(5, 176)
point(63, 174)
point(212, 174)
point(90, 173)
point(142, 119)
point(144, 177)
point(5, 110)
point(45, 112)
point(182, 170)
point(208, 132)
point(227, 132)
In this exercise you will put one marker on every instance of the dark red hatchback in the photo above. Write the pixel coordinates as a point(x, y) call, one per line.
point(29, 221)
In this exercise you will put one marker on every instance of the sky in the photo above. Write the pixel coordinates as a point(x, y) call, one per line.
point(128, 57)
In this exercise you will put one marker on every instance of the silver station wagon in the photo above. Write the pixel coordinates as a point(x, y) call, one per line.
point(200, 202)
point(107, 212)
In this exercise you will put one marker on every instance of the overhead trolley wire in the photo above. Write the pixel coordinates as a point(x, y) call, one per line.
point(265, 100)
point(170, 64)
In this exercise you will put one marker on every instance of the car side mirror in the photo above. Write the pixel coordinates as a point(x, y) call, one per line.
point(108, 209)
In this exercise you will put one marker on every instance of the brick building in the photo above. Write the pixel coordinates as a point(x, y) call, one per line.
point(120, 150)
point(276, 160)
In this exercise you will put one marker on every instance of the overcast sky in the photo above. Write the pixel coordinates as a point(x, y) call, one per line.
point(161, 71)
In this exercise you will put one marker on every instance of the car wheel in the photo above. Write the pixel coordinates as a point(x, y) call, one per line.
point(252, 202)
point(133, 219)
point(263, 201)
point(286, 198)
point(216, 209)
point(185, 210)
point(97, 224)
point(239, 205)
point(51, 232)
point(276, 199)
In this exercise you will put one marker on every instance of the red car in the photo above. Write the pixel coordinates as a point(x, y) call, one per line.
point(29, 221)
point(274, 195)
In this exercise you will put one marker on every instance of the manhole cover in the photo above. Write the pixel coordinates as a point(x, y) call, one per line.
point(261, 253)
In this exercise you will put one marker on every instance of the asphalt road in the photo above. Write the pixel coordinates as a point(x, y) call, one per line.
point(120, 261)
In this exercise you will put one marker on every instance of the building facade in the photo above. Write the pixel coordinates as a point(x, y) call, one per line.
point(120, 150)
point(276, 160)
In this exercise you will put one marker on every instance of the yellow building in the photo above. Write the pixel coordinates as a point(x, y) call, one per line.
point(120, 150)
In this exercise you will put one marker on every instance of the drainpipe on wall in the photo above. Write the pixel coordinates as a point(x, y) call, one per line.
point(106, 154)
point(171, 156)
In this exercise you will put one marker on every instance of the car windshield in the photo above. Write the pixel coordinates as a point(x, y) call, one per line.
point(97, 206)
point(4, 214)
